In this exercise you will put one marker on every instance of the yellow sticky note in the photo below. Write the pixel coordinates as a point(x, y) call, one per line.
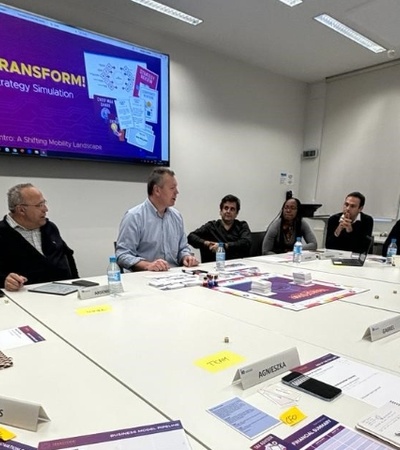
point(219, 361)
point(292, 416)
point(93, 310)
point(6, 435)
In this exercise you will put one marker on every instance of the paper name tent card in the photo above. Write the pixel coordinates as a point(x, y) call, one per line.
point(21, 414)
point(167, 435)
point(382, 329)
point(267, 368)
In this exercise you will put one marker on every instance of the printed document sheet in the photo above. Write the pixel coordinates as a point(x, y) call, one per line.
point(355, 379)
point(167, 435)
point(17, 337)
point(323, 433)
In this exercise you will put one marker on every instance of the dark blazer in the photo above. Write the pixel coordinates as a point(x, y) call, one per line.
point(19, 256)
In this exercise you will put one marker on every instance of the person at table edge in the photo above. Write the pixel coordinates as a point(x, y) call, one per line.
point(282, 232)
point(234, 234)
point(31, 247)
point(349, 229)
point(151, 234)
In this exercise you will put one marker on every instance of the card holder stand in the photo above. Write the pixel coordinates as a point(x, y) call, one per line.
point(21, 414)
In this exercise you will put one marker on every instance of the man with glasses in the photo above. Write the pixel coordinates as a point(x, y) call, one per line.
point(348, 230)
point(235, 234)
point(31, 248)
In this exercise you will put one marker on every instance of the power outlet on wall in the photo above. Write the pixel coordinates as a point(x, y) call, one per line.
point(309, 154)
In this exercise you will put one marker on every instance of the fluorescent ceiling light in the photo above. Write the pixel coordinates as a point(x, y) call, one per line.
point(348, 32)
point(291, 2)
point(169, 11)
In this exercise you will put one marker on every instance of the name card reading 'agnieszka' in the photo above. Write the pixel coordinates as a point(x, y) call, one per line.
point(267, 368)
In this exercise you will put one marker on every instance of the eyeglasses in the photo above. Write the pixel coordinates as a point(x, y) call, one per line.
point(290, 208)
point(38, 205)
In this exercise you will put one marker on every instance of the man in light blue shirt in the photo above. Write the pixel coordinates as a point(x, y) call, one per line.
point(151, 235)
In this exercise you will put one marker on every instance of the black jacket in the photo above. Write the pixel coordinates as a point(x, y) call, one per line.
point(356, 240)
point(238, 238)
point(19, 256)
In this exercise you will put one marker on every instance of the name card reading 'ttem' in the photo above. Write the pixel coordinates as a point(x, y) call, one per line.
point(382, 329)
point(267, 368)
point(21, 414)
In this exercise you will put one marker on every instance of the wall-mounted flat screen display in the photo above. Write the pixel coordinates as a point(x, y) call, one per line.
point(70, 93)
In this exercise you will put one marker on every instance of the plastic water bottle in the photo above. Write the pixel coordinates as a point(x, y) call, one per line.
point(297, 250)
point(114, 277)
point(391, 251)
point(220, 257)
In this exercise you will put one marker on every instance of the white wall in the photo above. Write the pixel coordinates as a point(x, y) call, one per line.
point(234, 128)
point(361, 136)
point(353, 121)
point(314, 122)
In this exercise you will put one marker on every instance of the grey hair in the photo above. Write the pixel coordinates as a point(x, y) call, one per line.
point(14, 195)
point(156, 178)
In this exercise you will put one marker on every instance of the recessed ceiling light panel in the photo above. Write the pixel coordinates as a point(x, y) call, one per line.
point(348, 32)
point(164, 9)
point(291, 2)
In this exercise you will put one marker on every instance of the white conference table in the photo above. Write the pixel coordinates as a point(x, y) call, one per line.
point(149, 341)
point(338, 326)
point(79, 397)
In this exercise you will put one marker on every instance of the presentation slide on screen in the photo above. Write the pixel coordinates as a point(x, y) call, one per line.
point(74, 92)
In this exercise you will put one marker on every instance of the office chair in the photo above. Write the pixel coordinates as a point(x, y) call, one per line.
point(120, 267)
point(257, 238)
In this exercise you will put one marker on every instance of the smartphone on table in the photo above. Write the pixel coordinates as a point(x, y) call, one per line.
point(84, 283)
point(319, 389)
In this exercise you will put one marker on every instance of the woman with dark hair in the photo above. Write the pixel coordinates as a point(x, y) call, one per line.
point(281, 233)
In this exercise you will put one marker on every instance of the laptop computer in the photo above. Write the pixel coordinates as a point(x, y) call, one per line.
point(359, 261)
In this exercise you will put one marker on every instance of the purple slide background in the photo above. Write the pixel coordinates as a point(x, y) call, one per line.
point(50, 117)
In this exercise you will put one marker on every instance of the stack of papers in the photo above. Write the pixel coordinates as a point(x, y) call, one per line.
point(262, 287)
point(384, 423)
point(301, 277)
point(174, 281)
